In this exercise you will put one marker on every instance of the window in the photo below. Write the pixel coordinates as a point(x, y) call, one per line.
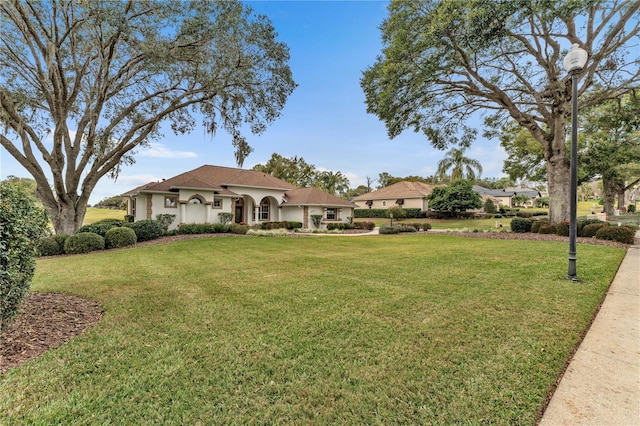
point(217, 203)
point(195, 200)
point(264, 209)
point(331, 214)
point(384, 204)
point(171, 202)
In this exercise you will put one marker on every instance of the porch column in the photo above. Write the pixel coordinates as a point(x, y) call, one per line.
point(208, 207)
point(256, 217)
point(183, 212)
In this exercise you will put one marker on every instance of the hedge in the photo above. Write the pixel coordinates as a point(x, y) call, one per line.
point(521, 224)
point(622, 234)
point(147, 229)
point(83, 242)
point(412, 213)
point(120, 237)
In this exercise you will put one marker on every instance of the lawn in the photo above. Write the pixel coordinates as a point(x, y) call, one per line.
point(95, 214)
point(412, 329)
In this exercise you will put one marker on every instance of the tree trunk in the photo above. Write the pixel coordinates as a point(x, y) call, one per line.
point(66, 218)
point(559, 188)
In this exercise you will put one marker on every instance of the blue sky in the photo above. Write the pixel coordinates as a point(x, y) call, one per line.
point(325, 119)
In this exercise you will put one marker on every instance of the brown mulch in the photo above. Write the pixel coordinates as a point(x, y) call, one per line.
point(46, 321)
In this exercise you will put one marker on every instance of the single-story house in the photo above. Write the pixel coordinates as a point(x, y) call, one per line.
point(408, 195)
point(503, 197)
point(252, 197)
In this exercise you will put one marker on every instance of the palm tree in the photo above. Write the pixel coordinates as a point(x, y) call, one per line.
point(333, 183)
point(459, 164)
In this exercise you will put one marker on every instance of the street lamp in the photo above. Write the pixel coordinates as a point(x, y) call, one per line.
point(574, 63)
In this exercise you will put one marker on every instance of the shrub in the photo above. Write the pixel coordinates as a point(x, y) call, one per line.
point(340, 226)
point(397, 212)
point(129, 218)
point(590, 230)
point(83, 242)
point(101, 227)
point(622, 234)
point(562, 228)
point(490, 206)
point(22, 223)
point(584, 222)
point(631, 208)
point(426, 226)
point(147, 229)
point(406, 228)
point(237, 228)
point(547, 228)
point(536, 224)
point(120, 237)
point(165, 220)
point(316, 219)
point(48, 246)
point(389, 229)
point(225, 218)
point(521, 224)
point(202, 228)
point(369, 226)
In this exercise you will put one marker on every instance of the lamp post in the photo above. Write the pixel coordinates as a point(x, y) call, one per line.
point(574, 63)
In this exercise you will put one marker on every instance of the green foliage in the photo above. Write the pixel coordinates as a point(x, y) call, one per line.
point(542, 202)
point(115, 203)
point(521, 224)
point(631, 208)
point(426, 226)
point(562, 229)
point(411, 213)
point(48, 246)
point(165, 220)
point(536, 224)
point(225, 217)
point(455, 198)
point(461, 167)
point(590, 230)
point(489, 206)
point(203, 228)
point(397, 212)
point(237, 228)
point(386, 229)
point(290, 225)
point(622, 234)
point(147, 229)
point(83, 242)
point(120, 237)
point(22, 223)
point(101, 227)
point(547, 228)
point(340, 226)
point(584, 222)
point(129, 218)
point(369, 226)
point(316, 219)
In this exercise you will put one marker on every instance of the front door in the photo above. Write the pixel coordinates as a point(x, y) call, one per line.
point(239, 213)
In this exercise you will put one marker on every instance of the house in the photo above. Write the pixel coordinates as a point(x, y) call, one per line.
point(251, 197)
point(408, 195)
point(503, 197)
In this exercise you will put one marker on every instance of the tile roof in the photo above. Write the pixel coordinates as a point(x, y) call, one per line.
point(506, 192)
point(404, 189)
point(314, 197)
point(215, 178)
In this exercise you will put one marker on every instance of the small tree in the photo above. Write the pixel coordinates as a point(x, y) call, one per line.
point(490, 206)
point(519, 199)
point(22, 223)
point(455, 198)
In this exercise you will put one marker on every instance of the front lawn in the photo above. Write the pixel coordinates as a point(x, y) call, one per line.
point(412, 329)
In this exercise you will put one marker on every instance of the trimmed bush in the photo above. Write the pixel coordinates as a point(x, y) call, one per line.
point(547, 228)
point(22, 223)
point(83, 242)
point(386, 229)
point(411, 213)
point(236, 228)
point(225, 218)
point(202, 228)
point(621, 234)
point(521, 224)
point(340, 226)
point(101, 227)
point(120, 237)
point(147, 229)
point(584, 222)
point(562, 229)
point(426, 226)
point(165, 220)
point(369, 226)
point(590, 230)
point(48, 246)
point(60, 239)
point(536, 224)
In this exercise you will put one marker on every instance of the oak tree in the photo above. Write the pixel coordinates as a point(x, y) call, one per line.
point(87, 84)
point(445, 61)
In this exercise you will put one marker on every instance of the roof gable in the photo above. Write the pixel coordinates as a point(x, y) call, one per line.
point(403, 189)
point(314, 197)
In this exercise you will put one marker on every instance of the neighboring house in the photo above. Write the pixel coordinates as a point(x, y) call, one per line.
point(408, 195)
point(252, 197)
point(503, 197)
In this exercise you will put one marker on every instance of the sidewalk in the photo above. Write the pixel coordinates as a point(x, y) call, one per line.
point(601, 385)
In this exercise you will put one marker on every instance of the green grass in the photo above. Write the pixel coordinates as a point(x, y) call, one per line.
point(95, 214)
point(415, 329)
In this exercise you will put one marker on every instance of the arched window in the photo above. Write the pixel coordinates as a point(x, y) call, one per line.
point(264, 209)
point(196, 200)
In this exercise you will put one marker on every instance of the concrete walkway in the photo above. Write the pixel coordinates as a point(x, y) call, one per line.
point(601, 385)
